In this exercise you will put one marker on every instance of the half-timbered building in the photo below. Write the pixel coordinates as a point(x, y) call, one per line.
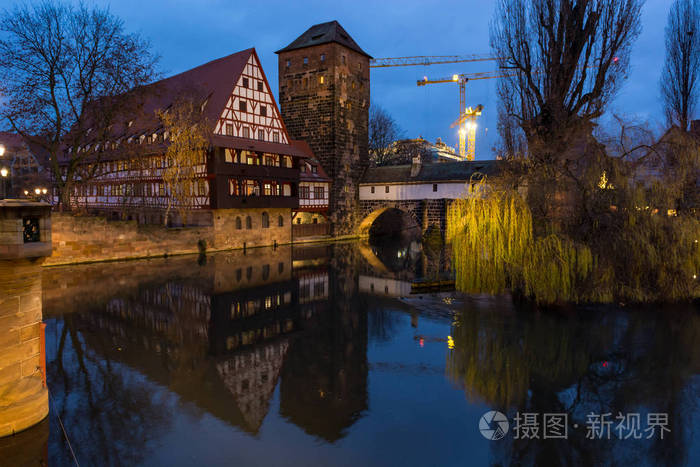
point(251, 163)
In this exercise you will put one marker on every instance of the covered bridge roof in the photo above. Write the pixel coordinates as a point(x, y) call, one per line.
point(460, 171)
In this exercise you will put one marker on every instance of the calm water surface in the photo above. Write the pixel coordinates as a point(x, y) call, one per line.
point(322, 356)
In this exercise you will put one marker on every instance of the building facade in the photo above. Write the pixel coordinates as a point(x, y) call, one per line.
point(324, 98)
point(251, 166)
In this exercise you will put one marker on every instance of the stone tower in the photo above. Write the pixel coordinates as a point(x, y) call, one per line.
point(324, 100)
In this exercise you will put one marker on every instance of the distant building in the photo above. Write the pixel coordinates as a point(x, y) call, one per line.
point(324, 97)
point(406, 149)
point(251, 167)
point(24, 164)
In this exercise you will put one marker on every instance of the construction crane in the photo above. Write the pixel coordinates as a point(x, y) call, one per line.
point(467, 116)
point(425, 60)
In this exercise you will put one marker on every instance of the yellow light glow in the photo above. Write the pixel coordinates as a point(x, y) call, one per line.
point(37, 191)
point(455, 78)
point(2, 150)
point(44, 191)
point(26, 192)
point(3, 172)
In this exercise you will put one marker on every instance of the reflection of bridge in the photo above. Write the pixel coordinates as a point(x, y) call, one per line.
point(421, 193)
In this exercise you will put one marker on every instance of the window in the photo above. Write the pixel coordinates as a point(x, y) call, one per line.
point(434, 186)
point(287, 189)
point(261, 135)
point(229, 129)
point(372, 190)
point(280, 223)
point(276, 137)
point(245, 82)
point(201, 187)
point(323, 57)
point(320, 80)
point(386, 189)
point(280, 269)
point(230, 155)
point(289, 63)
point(314, 169)
point(303, 168)
point(287, 162)
point(263, 111)
point(298, 220)
point(267, 189)
point(251, 188)
point(270, 160)
point(233, 187)
point(266, 276)
point(306, 60)
point(319, 192)
point(343, 59)
point(260, 86)
point(265, 220)
point(239, 224)
point(242, 106)
point(304, 192)
point(246, 132)
point(248, 225)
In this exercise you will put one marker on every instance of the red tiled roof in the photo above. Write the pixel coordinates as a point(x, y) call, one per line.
point(310, 159)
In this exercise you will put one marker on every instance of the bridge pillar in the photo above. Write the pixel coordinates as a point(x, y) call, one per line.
point(25, 240)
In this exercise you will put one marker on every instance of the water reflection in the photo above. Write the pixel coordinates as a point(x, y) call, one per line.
point(320, 355)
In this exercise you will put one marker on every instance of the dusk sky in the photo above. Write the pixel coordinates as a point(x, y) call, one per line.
point(189, 33)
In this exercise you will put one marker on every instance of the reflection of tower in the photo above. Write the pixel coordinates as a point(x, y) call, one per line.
point(324, 379)
point(324, 100)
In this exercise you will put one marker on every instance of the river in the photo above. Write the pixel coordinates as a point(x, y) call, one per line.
point(321, 355)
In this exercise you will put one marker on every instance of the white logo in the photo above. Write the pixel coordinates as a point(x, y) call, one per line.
point(493, 425)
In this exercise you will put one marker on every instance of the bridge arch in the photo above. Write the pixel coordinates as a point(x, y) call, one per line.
point(387, 220)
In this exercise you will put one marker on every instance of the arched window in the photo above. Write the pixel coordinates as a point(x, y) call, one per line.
point(280, 221)
point(265, 220)
point(238, 223)
point(248, 222)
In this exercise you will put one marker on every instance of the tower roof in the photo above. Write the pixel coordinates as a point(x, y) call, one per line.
point(324, 33)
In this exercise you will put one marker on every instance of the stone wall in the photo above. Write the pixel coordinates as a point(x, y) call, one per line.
point(85, 239)
point(23, 394)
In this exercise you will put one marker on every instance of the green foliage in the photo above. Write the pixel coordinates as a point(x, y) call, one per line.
point(635, 253)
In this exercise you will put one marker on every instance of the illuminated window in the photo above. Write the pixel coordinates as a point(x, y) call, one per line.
point(306, 60)
point(201, 187)
point(233, 187)
point(289, 63)
point(251, 188)
point(268, 192)
point(230, 155)
point(323, 57)
point(304, 192)
point(320, 80)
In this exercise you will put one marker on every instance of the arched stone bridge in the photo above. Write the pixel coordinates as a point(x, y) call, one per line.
point(422, 193)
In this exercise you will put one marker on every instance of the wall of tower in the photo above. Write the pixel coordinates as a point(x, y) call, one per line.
point(325, 102)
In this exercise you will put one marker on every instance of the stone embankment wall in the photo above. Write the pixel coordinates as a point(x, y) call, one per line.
point(87, 239)
point(23, 394)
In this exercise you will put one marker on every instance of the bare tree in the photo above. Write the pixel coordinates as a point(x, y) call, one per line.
point(679, 77)
point(186, 154)
point(60, 68)
point(567, 58)
point(383, 131)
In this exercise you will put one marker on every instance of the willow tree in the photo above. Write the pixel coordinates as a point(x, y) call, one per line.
point(187, 132)
point(61, 65)
point(679, 78)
